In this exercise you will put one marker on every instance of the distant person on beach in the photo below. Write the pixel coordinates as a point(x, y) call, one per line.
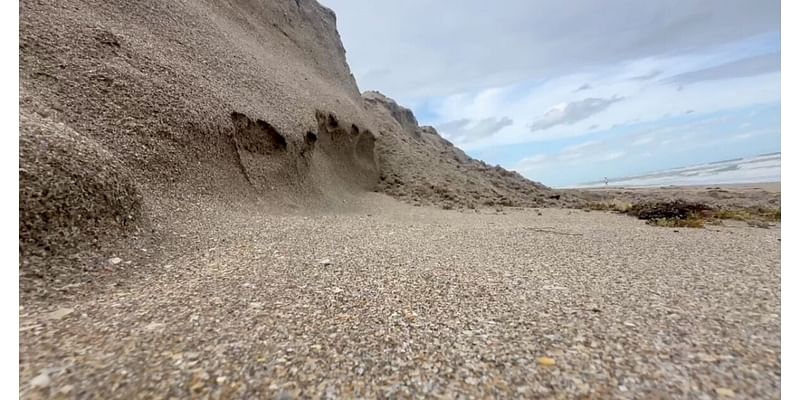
point(606, 179)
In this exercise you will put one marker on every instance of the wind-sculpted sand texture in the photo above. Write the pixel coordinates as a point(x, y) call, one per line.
point(389, 300)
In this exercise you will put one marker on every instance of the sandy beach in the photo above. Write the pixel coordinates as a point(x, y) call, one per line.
point(745, 195)
point(392, 300)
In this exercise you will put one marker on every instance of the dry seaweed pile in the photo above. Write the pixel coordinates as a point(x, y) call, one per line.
point(678, 209)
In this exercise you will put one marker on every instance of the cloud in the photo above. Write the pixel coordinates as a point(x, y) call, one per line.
point(582, 145)
point(644, 101)
point(488, 77)
point(570, 113)
point(465, 130)
point(584, 153)
point(750, 66)
point(455, 125)
point(642, 141)
point(467, 67)
point(611, 156)
point(463, 45)
point(533, 162)
point(647, 76)
point(534, 159)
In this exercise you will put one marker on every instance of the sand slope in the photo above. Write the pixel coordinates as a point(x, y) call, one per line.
point(421, 167)
point(132, 109)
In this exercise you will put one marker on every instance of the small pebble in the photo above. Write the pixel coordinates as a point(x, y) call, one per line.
point(60, 313)
point(41, 380)
point(725, 392)
point(545, 361)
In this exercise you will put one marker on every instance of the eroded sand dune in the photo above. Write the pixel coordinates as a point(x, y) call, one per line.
point(129, 109)
point(198, 218)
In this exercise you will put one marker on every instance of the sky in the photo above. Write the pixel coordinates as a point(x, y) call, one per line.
point(571, 94)
point(762, 168)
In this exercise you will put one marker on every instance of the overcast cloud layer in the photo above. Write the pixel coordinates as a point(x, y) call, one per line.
point(518, 80)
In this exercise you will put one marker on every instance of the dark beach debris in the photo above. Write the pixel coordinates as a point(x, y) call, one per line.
point(678, 209)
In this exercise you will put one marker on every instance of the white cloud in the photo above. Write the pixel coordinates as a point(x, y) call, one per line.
point(424, 48)
point(591, 151)
point(570, 113)
point(530, 71)
point(582, 145)
point(466, 130)
point(611, 156)
point(644, 102)
point(532, 162)
point(642, 141)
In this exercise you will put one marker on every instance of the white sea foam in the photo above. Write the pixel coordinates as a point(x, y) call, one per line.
point(761, 168)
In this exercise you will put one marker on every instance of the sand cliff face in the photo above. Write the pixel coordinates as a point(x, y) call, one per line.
point(129, 109)
point(420, 166)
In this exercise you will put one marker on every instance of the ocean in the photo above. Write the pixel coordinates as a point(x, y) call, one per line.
point(761, 168)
